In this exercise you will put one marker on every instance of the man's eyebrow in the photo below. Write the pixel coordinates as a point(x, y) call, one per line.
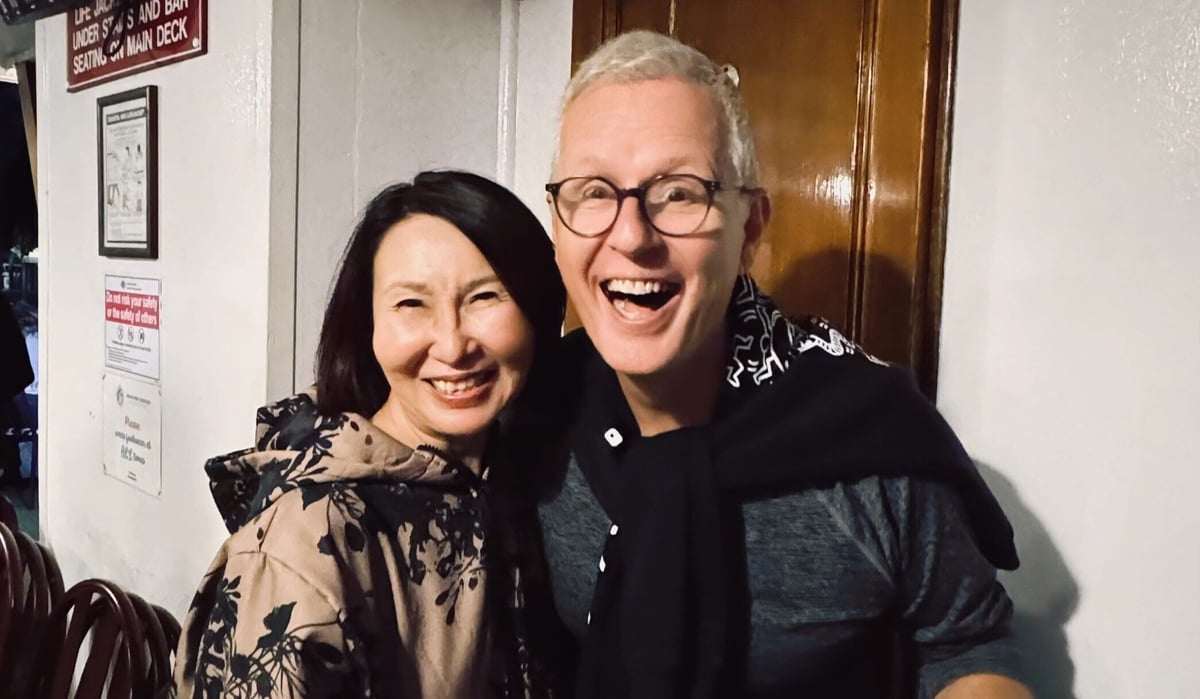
point(596, 167)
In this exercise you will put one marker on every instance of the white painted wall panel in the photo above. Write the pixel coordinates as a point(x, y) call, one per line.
point(221, 304)
point(387, 88)
point(1072, 325)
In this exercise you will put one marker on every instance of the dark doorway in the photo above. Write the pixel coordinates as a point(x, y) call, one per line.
point(18, 313)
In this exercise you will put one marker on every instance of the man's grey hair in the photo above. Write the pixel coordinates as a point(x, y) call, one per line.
point(645, 55)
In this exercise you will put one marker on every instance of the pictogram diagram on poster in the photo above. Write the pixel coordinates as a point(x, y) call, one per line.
point(126, 146)
point(132, 307)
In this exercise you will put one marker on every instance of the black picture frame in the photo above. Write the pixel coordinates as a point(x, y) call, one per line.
point(127, 173)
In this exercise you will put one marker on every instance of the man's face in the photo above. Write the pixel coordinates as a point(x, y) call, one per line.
point(650, 302)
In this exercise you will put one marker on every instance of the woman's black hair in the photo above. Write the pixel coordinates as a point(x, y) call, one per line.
point(493, 219)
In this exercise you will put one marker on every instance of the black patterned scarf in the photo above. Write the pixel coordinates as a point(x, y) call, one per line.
point(801, 407)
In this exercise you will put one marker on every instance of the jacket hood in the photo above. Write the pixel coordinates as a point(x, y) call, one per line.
point(296, 446)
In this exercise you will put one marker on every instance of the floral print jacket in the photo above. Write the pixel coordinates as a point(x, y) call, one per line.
point(356, 567)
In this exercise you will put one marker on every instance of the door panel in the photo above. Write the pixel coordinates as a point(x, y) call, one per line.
point(847, 100)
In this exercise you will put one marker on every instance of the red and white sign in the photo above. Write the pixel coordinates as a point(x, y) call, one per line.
point(131, 313)
point(157, 32)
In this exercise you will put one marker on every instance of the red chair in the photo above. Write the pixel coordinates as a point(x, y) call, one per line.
point(118, 657)
point(162, 635)
point(42, 588)
point(54, 576)
point(12, 589)
point(170, 626)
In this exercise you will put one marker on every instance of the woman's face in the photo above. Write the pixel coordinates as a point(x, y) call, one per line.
point(453, 344)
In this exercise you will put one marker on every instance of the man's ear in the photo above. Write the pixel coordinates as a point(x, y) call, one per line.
point(756, 224)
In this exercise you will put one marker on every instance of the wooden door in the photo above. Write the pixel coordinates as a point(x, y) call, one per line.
point(849, 101)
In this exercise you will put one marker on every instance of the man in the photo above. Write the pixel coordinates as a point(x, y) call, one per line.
point(754, 507)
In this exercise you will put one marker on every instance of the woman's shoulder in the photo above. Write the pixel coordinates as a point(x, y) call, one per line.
point(295, 530)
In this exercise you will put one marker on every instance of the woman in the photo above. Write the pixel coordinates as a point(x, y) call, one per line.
point(363, 560)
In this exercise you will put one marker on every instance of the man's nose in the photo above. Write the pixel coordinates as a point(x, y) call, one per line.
point(631, 234)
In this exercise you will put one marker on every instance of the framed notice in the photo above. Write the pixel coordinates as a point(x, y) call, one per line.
point(127, 142)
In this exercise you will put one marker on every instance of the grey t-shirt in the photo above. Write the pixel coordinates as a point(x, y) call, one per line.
point(835, 575)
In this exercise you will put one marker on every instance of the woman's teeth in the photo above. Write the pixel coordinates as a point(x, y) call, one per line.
point(459, 385)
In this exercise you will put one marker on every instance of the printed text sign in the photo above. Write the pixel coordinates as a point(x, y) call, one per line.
point(131, 312)
point(156, 32)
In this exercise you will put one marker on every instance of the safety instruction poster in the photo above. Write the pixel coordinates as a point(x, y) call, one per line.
point(131, 313)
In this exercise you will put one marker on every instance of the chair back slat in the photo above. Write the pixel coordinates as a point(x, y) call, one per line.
point(53, 575)
point(12, 590)
point(118, 656)
point(105, 650)
point(60, 647)
point(170, 627)
point(28, 620)
point(37, 593)
point(156, 644)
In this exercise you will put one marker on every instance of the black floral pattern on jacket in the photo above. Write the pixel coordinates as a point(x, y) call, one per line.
point(356, 566)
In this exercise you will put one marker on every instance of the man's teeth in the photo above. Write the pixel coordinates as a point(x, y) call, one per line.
point(635, 287)
point(459, 385)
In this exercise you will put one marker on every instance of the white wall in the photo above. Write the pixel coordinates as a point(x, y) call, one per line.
point(389, 88)
point(544, 66)
point(226, 210)
point(1071, 326)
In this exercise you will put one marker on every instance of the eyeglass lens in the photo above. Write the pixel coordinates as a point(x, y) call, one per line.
point(676, 205)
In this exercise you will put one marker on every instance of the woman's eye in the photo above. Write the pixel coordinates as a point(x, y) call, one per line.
point(485, 296)
point(408, 303)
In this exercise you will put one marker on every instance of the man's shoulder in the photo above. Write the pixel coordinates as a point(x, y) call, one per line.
point(864, 497)
point(889, 500)
point(882, 513)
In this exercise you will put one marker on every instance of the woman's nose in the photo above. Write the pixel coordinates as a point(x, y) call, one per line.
point(451, 341)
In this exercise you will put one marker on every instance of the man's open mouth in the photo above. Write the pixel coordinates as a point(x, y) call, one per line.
point(650, 294)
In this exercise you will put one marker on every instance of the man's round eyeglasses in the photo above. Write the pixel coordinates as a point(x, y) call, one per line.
point(672, 204)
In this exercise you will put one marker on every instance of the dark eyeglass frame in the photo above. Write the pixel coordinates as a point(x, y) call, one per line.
point(639, 193)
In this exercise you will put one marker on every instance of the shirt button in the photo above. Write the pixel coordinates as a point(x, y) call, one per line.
point(603, 565)
point(612, 531)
